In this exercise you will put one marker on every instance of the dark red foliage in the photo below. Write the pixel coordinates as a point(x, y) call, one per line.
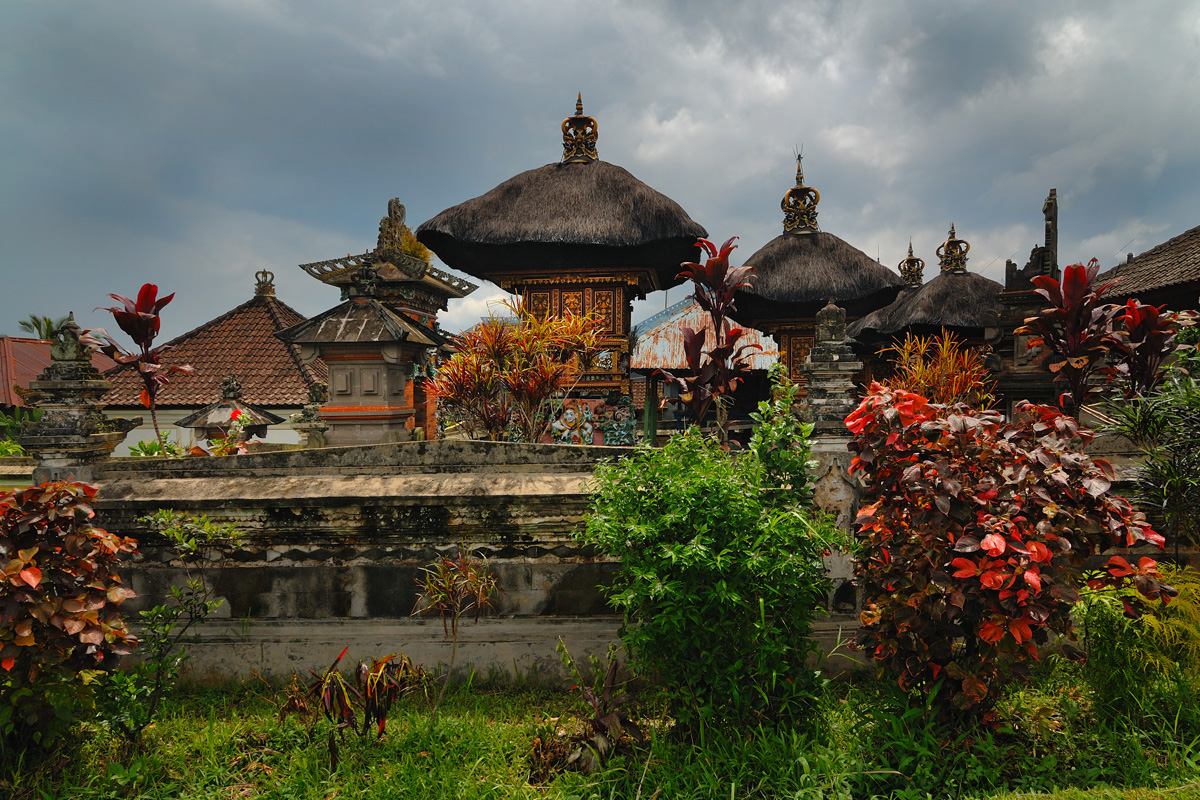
point(1077, 329)
point(974, 542)
point(1146, 342)
point(60, 594)
point(718, 370)
point(141, 321)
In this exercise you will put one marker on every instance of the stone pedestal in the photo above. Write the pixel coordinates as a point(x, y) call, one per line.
point(830, 368)
point(72, 434)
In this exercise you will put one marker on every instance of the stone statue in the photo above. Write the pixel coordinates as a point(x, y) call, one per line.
point(392, 228)
point(831, 323)
point(65, 344)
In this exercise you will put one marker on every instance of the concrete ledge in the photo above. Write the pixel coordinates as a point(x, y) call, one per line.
point(512, 648)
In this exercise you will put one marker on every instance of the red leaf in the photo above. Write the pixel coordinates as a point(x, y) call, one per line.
point(994, 544)
point(8, 663)
point(966, 568)
point(990, 632)
point(1039, 552)
point(32, 576)
point(992, 579)
point(1033, 579)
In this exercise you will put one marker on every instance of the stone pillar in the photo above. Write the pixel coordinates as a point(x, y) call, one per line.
point(830, 368)
point(72, 433)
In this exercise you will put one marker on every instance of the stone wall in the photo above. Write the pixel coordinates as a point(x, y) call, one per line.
point(336, 538)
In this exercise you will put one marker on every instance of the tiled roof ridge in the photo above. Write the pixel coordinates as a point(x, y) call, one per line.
point(310, 377)
point(1131, 268)
point(1174, 240)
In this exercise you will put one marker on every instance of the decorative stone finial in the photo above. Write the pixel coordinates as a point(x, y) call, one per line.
point(265, 283)
point(65, 344)
point(579, 136)
point(800, 205)
point(392, 228)
point(912, 269)
point(318, 393)
point(231, 388)
point(365, 282)
point(953, 253)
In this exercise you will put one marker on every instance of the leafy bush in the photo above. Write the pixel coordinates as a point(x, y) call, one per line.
point(60, 617)
point(718, 583)
point(504, 371)
point(163, 448)
point(780, 442)
point(974, 544)
point(1147, 668)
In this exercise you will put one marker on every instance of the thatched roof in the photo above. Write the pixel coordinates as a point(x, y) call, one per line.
point(807, 267)
point(872, 322)
point(951, 300)
point(592, 214)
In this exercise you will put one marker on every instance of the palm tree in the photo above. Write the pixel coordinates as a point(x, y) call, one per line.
point(41, 327)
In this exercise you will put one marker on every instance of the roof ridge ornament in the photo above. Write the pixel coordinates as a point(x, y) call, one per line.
point(912, 269)
point(265, 285)
point(953, 253)
point(579, 136)
point(231, 388)
point(800, 205)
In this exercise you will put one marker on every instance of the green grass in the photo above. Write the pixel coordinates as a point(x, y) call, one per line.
point(862, 740)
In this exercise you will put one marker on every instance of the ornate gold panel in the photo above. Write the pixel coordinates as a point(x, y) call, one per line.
point(572, 303)
point(539, 304)
point(602, 305)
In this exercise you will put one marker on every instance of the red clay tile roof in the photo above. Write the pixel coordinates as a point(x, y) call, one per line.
point(241, 341)
point(1174, 262)
point(22, 360)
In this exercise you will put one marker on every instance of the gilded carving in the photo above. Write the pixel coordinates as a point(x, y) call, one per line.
point(800, 205)
point(602, 306)
point(953, 253)
point(579, 136)
point(572, 303)
point(912, 269)
point(539, 304)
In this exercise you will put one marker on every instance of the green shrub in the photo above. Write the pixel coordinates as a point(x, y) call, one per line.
point(718, 583)
point(1146, 668)
point(60, 597)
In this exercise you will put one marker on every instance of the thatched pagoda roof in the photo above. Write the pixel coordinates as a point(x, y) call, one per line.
point(580, 213)
point(817, 266)
point(955, 298)
point(797, 272)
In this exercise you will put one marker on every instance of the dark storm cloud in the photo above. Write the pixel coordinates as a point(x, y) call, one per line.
point(192, 144)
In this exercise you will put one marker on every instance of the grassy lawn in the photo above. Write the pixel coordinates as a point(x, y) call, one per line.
point(862, 740)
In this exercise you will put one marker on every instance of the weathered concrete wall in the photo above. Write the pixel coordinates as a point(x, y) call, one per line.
point(334, 541)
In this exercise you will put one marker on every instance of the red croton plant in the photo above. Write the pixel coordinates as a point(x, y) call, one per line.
point(60, 597)
point(713, 373)
point(973, 549)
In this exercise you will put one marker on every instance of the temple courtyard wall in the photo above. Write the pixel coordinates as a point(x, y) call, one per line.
point(334, 541)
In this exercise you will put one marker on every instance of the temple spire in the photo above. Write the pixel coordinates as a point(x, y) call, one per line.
point(953, 253)
point(800, 204)
point(579, 136)
point(912, 269)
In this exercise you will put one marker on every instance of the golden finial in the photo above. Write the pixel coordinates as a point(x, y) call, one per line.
point(579, 136)
point(953, 253)
point(264, 283)
point(912, 269)
point(800, 205)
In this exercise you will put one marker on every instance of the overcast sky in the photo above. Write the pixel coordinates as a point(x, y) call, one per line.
point(192, 144)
